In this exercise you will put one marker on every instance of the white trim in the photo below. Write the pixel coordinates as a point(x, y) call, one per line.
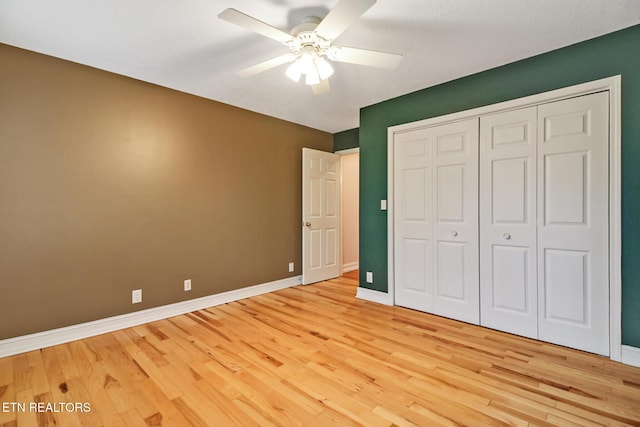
point(630, 355)
point(611, 84)
point(374, 296)
point(391, 263)
point(350, 266)
point(615, 218)
point(348, 151)
point(11, 346)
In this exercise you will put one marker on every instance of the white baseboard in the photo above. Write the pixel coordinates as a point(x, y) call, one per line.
point(374, 296)
point(11, 346)
point(350, 266)
point(630, 355)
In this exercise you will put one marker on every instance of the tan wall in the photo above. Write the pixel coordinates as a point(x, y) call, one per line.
point(109, 184)
point(350, 167)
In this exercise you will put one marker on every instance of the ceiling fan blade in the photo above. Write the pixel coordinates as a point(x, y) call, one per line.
point(322, 87)
point(250, 23)
point(371, 58)
point(266, 65)
point(341, 16)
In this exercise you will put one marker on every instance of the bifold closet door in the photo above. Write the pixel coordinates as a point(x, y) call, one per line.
point(508, 269)
point(455, 221)
point(413, 220)
point(520, 245)
point(436, 220)
point(573, 226)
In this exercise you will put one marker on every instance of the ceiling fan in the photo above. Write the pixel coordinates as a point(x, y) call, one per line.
point(312, 41)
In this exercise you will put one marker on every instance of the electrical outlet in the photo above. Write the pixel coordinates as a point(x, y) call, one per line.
point(369, 277)
point(291, 267)
point(136, 296)
point(187, 285)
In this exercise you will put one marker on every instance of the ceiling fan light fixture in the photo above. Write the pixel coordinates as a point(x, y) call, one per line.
point(313, 78)
point(294, 71)
point(325, 70)
point(314, 67)
point(306, 61)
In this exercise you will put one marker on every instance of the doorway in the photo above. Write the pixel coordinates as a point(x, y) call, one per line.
point(350, 183)
point(330, 210)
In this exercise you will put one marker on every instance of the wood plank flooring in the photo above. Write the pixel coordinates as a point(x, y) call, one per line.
point(315, 356)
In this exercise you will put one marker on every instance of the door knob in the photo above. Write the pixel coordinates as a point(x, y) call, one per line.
point(307, 224)
point(506, 236)
point(454, 233)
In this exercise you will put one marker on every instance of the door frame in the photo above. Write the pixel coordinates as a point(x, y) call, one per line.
point(341, 231)
point(611, 84)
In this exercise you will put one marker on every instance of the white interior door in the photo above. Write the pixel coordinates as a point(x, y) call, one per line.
point(508, 266)
point(413, 223)
point(321, 259)
point(573, 226)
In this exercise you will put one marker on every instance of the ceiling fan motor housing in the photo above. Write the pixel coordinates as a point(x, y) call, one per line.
point(305, 38)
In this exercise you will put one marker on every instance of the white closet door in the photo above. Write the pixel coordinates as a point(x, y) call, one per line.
point(455, 220)
point(573, 141)
point(436, 220)
point(413, 220)
point(508, 284)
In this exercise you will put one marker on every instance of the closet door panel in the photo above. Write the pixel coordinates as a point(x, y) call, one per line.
point(573, 208)
point(565, 192)
point(566, 285)
point(451, 271)
point(455, 226)
point(510, 282)
point(510, 181)
point(413, 220)
point(508, 288)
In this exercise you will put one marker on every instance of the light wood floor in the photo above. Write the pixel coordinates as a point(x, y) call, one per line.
point(316, 356)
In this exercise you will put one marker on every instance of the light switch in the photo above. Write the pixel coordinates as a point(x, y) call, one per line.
point(383, 205)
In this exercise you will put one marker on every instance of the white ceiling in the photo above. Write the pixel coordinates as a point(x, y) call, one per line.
point(181, 44)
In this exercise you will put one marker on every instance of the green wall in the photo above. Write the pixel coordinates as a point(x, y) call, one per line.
point(609, 55)
point(346, 139)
